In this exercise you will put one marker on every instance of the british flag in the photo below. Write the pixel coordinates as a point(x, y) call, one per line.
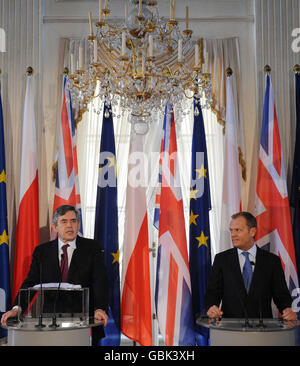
point(272, 211)
point(158, 189)
point(173, 284)
point(67, 183)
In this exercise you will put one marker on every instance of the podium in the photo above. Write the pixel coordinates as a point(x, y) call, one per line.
point(52, 316)
point(239, 332)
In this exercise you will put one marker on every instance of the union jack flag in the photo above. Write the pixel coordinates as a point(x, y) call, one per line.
point(173, 284)
point(274, 228)
point(158, 190)
point(67, 184)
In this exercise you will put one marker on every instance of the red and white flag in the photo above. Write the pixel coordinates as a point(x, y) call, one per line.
point(136, 317)
point(67, 183)
point(27, 232)
point(274, 227)
point(231, 196)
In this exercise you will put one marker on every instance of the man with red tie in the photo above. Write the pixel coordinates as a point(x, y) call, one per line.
point(73, 259)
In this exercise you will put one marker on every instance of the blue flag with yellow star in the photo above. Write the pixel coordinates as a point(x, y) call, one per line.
point(199, 241)
point(295, 191)
point(4, 252)
point(106, 225)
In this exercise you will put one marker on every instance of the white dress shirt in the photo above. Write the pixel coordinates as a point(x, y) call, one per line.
point(252, 257)
point(70, 250)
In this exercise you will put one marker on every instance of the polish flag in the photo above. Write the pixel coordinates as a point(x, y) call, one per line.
point(136, 322)
point(27, 235)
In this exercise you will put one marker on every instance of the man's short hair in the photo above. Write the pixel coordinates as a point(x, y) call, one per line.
point(62, 210)
point(250, 219)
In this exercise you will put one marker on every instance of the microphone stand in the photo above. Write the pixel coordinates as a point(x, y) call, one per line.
point(246, 324)
point(40, 324)
point(260, 321)
point(54, 323)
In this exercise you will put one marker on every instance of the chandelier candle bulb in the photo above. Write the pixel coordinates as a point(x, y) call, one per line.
point(140, 8)
point(72, 63)
point(126, 11)
point(205, 66)
point(186, 17)
point(91, 24)
point(81, 57)
point(100, 11)
point(179, 50)
point(196, 54)
point(123, 43)
point(151, 45)
point(172, 9)
point(95, 51)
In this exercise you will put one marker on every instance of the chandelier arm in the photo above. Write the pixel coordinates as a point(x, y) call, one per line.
point(167, 67)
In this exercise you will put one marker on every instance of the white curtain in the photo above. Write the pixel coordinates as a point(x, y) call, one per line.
point(274, 23)
point(22, 25)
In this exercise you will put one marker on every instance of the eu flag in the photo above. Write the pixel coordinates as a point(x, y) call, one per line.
point(199, 243)
point(295, 191)
point(106, 225)
point(4, 252)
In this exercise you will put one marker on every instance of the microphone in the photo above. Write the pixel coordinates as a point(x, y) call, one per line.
point(40, 324)
point(54, 324)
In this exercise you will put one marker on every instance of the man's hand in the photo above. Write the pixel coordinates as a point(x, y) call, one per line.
point(100, 316)
point(214, 312)
point(8, 314)
point(289, 314)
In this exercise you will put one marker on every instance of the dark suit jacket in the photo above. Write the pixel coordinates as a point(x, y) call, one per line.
point(87, 269)
point(226, 284)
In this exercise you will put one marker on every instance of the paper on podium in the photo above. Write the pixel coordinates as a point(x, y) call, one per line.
point(63, 285)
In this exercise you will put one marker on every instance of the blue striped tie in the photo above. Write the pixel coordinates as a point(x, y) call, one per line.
point(247, 271)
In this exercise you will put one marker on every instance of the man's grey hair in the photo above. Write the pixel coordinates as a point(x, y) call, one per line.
point(62, 210)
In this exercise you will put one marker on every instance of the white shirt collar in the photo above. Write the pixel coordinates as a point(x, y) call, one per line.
point(71, 243)
point(252, 251)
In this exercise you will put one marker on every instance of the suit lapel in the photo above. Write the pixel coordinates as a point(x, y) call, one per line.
point(257, 271)
point(74, 265)
point(237, 273)
point(53, 260)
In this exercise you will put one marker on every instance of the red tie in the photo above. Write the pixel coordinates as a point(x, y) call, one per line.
point(64, 265)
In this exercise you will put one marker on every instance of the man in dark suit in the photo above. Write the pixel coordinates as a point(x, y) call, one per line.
point(228, 294)
point(81, 259)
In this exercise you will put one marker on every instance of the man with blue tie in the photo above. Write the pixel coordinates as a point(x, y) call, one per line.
point(245, 279)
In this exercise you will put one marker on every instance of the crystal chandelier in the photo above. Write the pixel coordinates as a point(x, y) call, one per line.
point(140, 64)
